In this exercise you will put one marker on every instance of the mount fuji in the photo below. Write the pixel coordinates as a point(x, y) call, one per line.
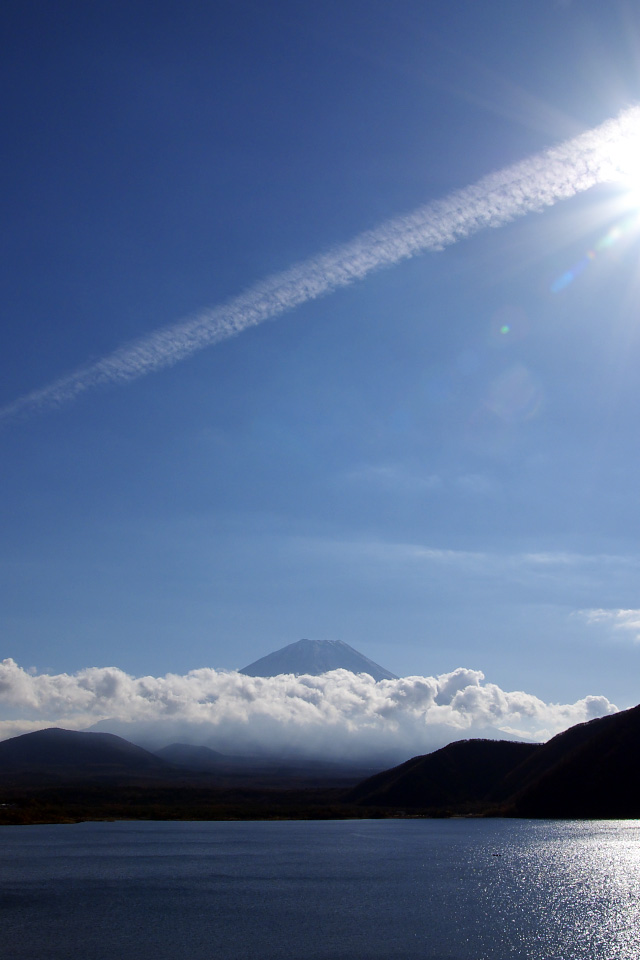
point(314, 657)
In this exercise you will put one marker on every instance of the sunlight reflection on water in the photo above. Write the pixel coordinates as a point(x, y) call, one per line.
point(341, 890)
point(581, 884)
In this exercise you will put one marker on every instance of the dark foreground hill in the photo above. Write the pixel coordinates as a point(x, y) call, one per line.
point(73, 757)
point(315, 657)
point(54, 776)
point(590, 770)
point(63, 755)
point(460, 776)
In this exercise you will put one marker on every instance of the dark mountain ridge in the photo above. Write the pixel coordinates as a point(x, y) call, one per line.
point(71, 754)
point(74, 757)
point(462, 773)
point(589, 770)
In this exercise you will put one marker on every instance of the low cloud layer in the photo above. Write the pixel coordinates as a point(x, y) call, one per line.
point(336, 715)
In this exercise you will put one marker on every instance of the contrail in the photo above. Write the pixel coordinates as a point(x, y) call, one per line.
point(540, 181)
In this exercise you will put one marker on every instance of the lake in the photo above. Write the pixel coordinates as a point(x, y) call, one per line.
point(428, 889)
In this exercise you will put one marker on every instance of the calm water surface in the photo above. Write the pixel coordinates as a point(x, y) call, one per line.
point(428, 889)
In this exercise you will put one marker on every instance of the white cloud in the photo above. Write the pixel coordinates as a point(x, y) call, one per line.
point(627, 621)
point(338, 714)
point(538, 182)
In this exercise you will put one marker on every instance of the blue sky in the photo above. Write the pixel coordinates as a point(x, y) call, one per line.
point(437, 464)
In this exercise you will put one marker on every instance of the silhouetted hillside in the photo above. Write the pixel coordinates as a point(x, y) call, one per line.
point(71, 757)
point(461, 774)
point(314, 657)
point(590, 770)
point(71, 754)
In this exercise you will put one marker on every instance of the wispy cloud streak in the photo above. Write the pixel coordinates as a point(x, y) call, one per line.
point(538, 182)
point(627, 621)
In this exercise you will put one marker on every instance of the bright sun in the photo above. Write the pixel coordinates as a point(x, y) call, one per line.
point(624, 157)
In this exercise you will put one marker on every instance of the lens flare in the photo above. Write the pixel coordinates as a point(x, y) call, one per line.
point(623, 157)
point(623, 228)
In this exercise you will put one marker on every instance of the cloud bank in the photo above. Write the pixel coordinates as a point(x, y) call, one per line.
point(337, 715)
point(597, 156)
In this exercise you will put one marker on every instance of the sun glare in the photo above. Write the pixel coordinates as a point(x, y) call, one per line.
point(624, 157)
point(619, 158)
